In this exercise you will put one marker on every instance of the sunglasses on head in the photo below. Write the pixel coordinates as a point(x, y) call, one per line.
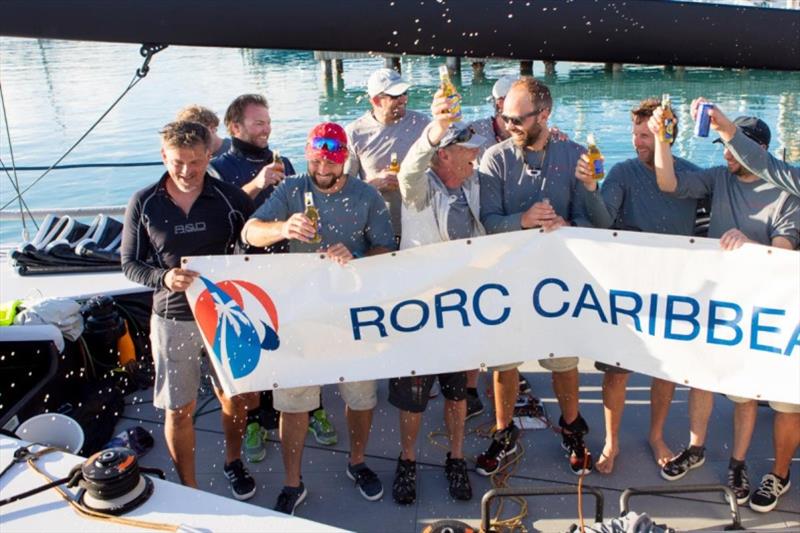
point(518, 121)
point(462, 137)
point(325, 143)
point(395, 97)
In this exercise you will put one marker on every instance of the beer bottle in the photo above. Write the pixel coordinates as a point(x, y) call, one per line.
point(277, 162)
point(450, 92)
point(394, 164)
point(595, 158)
point(312, 214)
point(667, 120)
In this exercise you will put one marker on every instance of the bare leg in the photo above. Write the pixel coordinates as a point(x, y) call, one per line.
point(234, 420)
point(358, 423)
point(179, 434)
point(744, 422)
point(506, 389)
point(454, 415)
point(661, 393)
point(565, 385)
point(293, 429)
point(472, 379)
point(786, 439)
point(701, 403)
point(409, 430)
point(613, 405)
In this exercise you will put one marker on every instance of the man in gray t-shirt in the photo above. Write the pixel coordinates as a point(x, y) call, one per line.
point(352, 223)
point(387, 128)
point(526, 182)
point(744, 208)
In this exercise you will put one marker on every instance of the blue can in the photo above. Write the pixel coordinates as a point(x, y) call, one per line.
point(703, 122)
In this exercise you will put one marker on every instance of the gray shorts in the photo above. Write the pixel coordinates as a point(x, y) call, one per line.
point(177, 349)
point(559, 364)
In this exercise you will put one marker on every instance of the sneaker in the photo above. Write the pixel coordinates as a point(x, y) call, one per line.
point(679, 466)
point(524, 386)
point(254, 437)
point(580, 460)
point(766, 497)
point(474, 406)
point(504, 443)
point(321, 428)
point(457, 478)
point(404, 488)
point(367, 481)
point(243, 485)
point(434, 392)
point(290, 498)
point(739, 483)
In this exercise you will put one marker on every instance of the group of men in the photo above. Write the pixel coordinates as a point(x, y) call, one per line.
point(527, 177)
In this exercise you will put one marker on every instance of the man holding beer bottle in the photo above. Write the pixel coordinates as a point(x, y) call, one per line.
point(527, 182)
point(388, 127)
point(352, 222)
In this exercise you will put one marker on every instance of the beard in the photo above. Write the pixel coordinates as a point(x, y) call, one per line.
point(326, 181)
point(529, 137)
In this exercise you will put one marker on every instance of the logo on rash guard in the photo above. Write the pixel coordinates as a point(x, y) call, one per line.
point(239, 320)
point(190, 227)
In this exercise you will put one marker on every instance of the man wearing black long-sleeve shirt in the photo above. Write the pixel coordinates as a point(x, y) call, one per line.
point(186, 212)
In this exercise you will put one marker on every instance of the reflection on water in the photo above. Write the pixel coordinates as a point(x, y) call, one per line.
point(54, 90)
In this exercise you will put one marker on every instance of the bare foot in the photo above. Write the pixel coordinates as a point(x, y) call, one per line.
point(605, 464)
point(661, 452)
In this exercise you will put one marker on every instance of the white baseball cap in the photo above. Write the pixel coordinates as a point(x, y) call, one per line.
point(502, 86)
point(387, 81)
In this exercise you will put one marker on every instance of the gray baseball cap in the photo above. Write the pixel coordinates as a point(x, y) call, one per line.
point(386, 81)
point(462, 134)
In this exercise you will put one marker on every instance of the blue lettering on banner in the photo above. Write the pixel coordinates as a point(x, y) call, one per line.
point(794, 341)
point(458, 307)
point(714, 322)
point(423, 319)
point(377, 321)
point(673, 316)
point(587, 291)
point(537, 298)
point(756, 328)
point(614, 295)
point(476, 305)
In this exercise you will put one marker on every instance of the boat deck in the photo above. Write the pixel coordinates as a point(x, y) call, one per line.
point(332, 498)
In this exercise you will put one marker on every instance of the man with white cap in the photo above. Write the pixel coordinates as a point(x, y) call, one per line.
point(387, 128)
point(493, 128)
point(440, 202)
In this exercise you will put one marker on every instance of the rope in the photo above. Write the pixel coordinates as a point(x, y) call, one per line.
point(92, 165)
point(15, 180)
point(16, 189)
point(147, 52)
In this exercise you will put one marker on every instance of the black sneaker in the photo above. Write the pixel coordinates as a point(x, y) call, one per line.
point(290, 498)
point(690, 458)
point(524, 386)
point(766, 497)
point(368, 483)
point(739, 483)
point(243, 485)
point(404, 488)
point(580, 460)
point(504, 443)
point(457, 478)
point(474, 405)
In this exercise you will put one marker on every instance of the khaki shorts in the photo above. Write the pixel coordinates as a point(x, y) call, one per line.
point(782, 407)
point(177, 350)
point(559, 364)
point(358, 395)
point(738, 399)
point(506, 367)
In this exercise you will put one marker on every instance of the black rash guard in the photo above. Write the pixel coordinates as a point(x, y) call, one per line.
point(158, 233)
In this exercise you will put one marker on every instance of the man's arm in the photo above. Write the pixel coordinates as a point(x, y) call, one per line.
point(136, 249)
point(262, 233)
point(601, 206)
point(664, 163)
point(265, 178)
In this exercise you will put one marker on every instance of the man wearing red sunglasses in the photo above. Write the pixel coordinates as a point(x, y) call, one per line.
point(353, 222)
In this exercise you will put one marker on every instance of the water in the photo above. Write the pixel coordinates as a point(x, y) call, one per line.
point(54, 90)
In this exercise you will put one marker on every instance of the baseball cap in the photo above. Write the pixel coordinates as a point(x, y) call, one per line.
point(463, 135)
point(388, 81)
point(754, 128)
point(327, 141)
point(502, 86)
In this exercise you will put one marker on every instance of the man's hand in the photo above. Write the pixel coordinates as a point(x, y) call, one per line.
point(442, 117)
point(584, 173)
point(178, 279)
point(718, 121)
point(338, 253)
point(298, 227)
point(385, 181)
point(554, 224)
point(733, 239)
point(267, 176)
point(537, 215)
point(655, 123)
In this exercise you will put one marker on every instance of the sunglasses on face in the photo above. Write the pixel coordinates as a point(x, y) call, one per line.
point(518, 121)
point(325, 143)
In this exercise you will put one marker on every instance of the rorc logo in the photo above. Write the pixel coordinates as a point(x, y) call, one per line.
point(239, 320)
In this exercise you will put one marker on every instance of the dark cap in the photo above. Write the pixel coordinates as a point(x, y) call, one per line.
point(754, 128)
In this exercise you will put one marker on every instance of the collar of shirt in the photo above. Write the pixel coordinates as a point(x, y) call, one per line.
point(208, 189)
point(250, 151)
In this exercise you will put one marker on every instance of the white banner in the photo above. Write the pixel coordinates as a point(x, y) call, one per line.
point(674, 307)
